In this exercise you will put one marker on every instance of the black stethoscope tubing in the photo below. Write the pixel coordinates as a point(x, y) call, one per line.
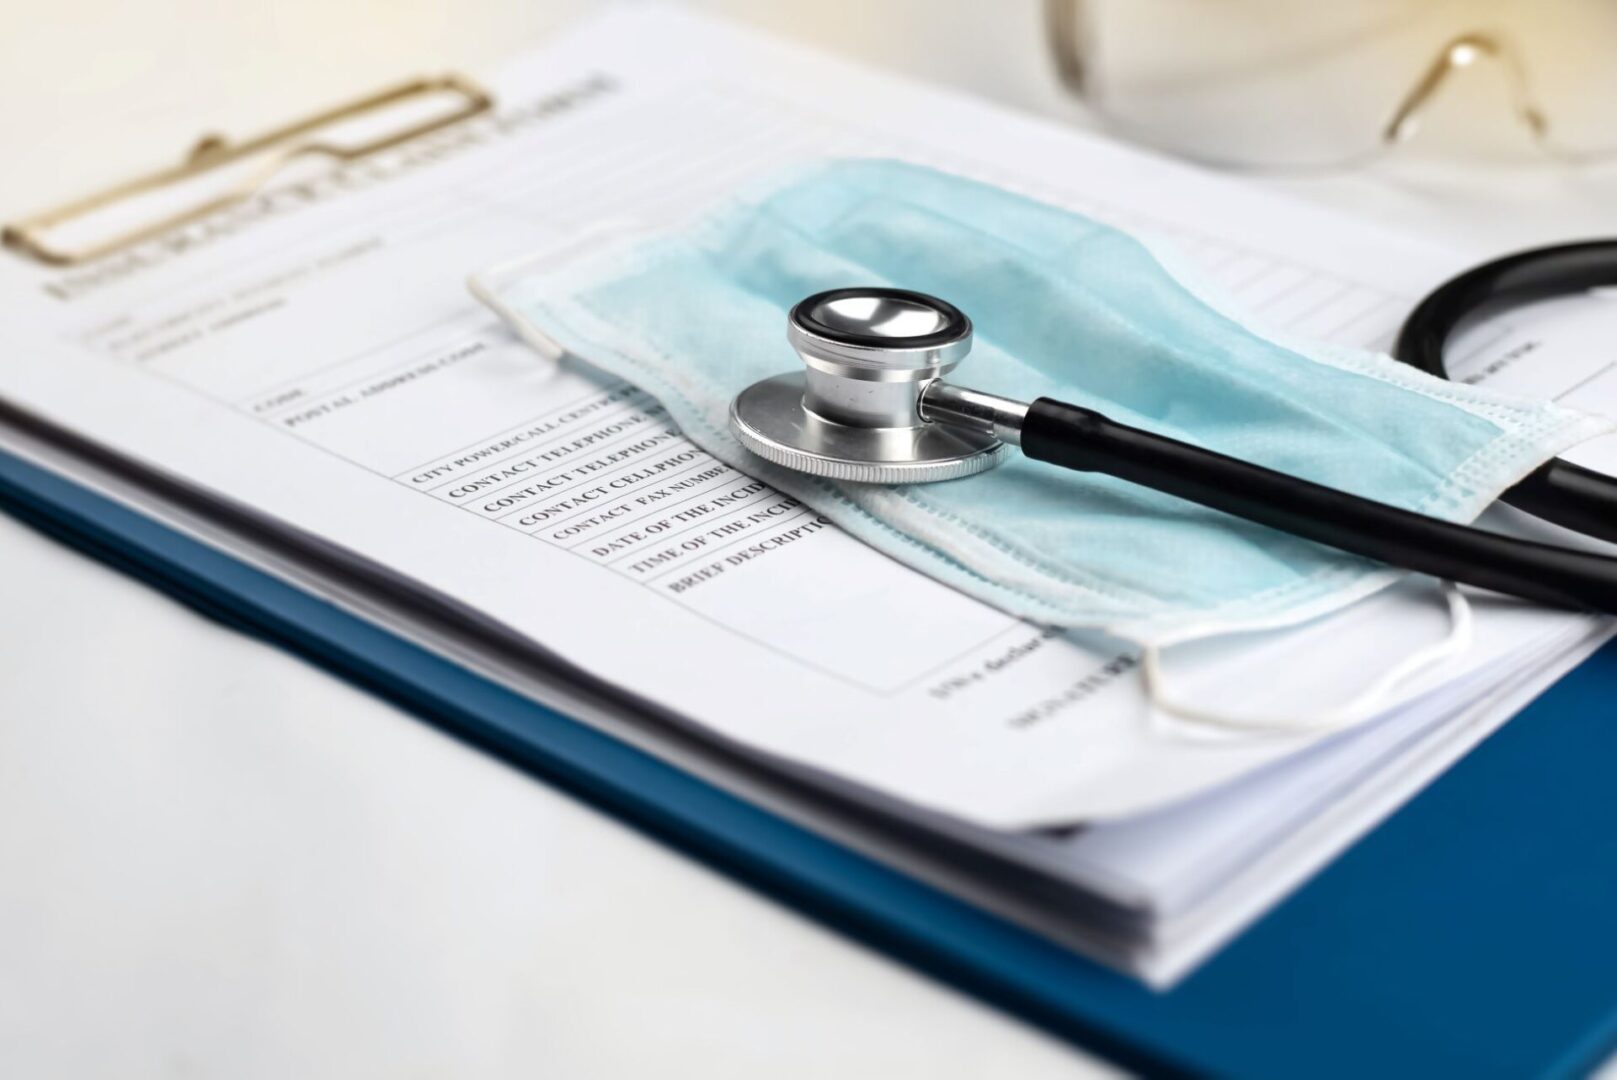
point(1560, 492)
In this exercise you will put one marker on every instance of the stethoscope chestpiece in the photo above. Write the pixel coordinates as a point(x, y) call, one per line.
point(853, 412)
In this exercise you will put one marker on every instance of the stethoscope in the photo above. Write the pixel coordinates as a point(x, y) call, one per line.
point(871, 405)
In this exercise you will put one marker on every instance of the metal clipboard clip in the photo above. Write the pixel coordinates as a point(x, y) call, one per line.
point(276, 149)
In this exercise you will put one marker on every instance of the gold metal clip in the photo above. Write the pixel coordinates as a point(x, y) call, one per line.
point(279, 147)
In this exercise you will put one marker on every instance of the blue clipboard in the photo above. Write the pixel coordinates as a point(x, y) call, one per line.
point(1472, 934)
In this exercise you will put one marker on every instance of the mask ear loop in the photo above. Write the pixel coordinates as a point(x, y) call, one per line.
point(1368, 703)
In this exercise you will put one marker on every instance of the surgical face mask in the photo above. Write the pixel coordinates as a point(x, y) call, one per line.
point(1063, 306)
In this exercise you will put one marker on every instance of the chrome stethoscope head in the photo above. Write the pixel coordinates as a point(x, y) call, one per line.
point(866, 405)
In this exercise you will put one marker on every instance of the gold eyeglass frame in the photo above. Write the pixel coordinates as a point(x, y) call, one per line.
point(1066, 32)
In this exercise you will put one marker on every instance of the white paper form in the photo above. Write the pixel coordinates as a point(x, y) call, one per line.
point(314, 354)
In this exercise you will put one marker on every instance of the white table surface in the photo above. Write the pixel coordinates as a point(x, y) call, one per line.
point(218, 861)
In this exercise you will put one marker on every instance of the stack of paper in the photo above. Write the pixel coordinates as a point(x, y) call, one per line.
point(305, 381)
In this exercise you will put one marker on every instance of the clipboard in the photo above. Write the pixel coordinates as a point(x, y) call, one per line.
point(244, 167)
point(1469, 934)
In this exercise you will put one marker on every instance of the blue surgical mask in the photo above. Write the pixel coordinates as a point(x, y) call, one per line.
point(1067, 307)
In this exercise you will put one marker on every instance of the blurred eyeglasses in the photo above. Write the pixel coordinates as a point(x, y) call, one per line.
point(1292, 84)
